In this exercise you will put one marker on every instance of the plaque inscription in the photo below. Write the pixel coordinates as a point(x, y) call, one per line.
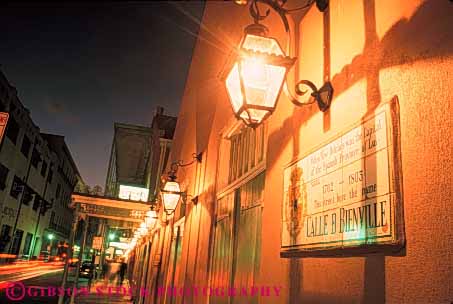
point(345, 194)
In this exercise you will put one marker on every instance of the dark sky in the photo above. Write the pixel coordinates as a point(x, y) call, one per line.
point(81, 67)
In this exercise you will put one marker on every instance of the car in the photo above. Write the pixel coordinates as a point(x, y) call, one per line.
point(86, 270)
point(44, 256)
point(54, 258)
point(73, 262)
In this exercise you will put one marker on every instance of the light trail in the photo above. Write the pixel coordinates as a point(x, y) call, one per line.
point(25, 275)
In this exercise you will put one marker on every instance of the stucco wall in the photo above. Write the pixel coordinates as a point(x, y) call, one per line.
point(379, 49)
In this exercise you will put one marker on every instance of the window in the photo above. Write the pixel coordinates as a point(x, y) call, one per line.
point(57, 193)
point(49, 177)
point(27, 196)
point(43, 168)
point(26, 144)
point(16, 187)
point(27, 245)
point(3, 176)
point(17, 240)
point(35, 158)
point(246, 151)
point(12, 130)
point(5, 238)
point(36, 203)
point(6, 229)
point(242, 152)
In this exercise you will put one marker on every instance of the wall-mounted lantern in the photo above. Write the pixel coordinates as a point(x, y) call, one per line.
point(171, 194)
point(143, 229)
point(256, 79)
point(259, 71)
point(171, 191)
point(151, 217)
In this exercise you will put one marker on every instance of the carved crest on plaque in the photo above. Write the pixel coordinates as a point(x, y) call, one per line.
point(295, 209)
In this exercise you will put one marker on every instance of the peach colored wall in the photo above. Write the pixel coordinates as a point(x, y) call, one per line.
point(379, 49)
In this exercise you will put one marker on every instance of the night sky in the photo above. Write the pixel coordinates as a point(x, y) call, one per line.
point(81, 67)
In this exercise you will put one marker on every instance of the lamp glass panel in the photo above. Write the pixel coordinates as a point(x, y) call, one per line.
point(233, 85)
point(262, 82)
point(150, 222)
point(262, 44)
point(151, 213)
point(171, 199)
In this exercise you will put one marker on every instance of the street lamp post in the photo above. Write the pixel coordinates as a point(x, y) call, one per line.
point(50, 237)
point(71, 244)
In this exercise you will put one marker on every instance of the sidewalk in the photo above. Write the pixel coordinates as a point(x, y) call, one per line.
point(99, 293)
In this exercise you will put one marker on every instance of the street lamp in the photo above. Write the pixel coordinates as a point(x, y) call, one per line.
point(256, 79)
point(171, 191)
point(50, 237)
point(142, 230)
point(258, 74)
point(151, 218)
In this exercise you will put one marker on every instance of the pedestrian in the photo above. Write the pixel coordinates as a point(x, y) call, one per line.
point(114, 270)
point(123, 269)
point(108, 273)
point(104, 269)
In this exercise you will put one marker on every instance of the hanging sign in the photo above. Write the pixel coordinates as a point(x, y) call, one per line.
point(347, 193)
point(3, 122)
point(97, 242)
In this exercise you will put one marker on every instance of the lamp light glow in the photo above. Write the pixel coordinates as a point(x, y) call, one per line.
point(171, 193)
point(256, 79)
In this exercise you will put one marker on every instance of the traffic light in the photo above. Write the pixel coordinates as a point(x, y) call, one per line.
point(44, 207)
point(27, 196)
point(113, 236)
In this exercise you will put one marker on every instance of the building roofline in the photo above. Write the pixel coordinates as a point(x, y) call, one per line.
point(65, 150)
point(118, 125)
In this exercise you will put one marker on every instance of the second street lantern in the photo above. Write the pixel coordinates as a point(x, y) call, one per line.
point(171, 193)
point(256, 79)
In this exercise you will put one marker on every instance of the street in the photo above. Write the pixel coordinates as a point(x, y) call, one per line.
point(34, 282)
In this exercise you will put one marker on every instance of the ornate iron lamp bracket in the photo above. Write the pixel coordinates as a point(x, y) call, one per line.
point(175, 165)
point(323, 96)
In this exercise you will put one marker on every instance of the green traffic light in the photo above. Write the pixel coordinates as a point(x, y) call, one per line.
point(50, 236)
point(111, 236)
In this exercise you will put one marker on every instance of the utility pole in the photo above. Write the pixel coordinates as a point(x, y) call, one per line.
point(79, 262)
point(39, 217)
point(71, 251)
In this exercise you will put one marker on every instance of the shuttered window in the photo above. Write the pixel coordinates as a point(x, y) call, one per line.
point(237, 240)
point(246, 151)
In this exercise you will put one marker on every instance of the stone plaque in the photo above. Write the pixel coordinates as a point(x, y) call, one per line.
point(345, 196)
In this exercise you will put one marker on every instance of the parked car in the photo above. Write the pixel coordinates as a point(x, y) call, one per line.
point(44, 256)
point(86, 270)
point(73, 262)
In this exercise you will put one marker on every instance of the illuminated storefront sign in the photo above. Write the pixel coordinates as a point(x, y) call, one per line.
point(119, 245)
point(133, 193)
point(346, 194)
